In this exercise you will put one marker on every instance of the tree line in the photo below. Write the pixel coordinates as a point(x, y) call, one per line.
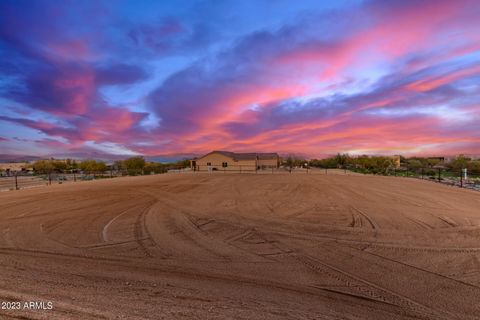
point(363, 163)
point(132, 166)
point(388, 164)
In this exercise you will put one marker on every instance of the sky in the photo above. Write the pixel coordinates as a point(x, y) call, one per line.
point(309, 77)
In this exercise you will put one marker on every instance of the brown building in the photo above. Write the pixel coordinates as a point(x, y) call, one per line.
point(232, 161)
point(396, 161)
point(12, 167)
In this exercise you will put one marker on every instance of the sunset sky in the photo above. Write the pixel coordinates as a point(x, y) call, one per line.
point(186, 77)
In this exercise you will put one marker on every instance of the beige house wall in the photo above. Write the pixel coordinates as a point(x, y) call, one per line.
point(216, 160)
point(15, 166)
point(396, 161)
point(269, 163)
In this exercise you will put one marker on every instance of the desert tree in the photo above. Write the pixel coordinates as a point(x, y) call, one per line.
point(91, 166)
point(49, 165)
point(134, 165)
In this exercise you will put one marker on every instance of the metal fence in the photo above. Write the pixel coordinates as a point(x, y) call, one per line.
point(439, 175)
point(24, 180)
point(269, 170)
point(459, 178)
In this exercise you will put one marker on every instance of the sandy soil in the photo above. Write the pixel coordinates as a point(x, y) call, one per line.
point(242, 246)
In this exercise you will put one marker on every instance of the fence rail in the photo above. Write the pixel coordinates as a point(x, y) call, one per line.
point(439, 175)
point(24, 181)
point(21, 180)
point(446, 176)
point(272, 170)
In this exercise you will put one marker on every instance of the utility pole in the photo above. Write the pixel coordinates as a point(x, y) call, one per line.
point(16, 181)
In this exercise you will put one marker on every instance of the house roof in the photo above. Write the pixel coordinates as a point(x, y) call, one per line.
point(245, 156)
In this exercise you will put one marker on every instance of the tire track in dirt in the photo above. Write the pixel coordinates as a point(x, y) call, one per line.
point(418, 249)
point(249, 241)
point(363, 287)
point(7, 238)
point(257, 243)
point(109, 223)
point(389, 273)
point(368, 243)
point(418, 268)
point(357, 221)
point(421, 224)
point(110, 244)
point(53, 254)
point(141, 233)
point(372, 223)
point(448, 221)
point(179, 230)
point(239, 236)
point(360, 287)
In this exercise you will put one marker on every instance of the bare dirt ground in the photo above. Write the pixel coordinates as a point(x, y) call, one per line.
point(242, 246)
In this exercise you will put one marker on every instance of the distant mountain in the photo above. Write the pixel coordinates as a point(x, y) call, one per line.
point(18, 158)
point(99, 156)
point(170, 157)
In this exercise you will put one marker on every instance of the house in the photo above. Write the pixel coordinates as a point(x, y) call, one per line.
point(232, 161)
point(396, 161)
point(11, 168)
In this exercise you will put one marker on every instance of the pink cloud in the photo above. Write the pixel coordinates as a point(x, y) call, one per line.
point(372, 81)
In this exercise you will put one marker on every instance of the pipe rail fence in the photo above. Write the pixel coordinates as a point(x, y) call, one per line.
point(25, 180)
point(454, 177)
point(459, 178)
point(18, 180)
point(268, 169)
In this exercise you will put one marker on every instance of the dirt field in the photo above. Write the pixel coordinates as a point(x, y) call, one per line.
point(242, 246)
